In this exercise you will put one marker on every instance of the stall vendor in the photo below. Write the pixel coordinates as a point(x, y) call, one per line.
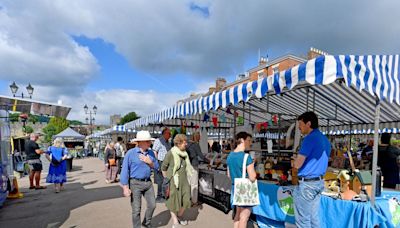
point(312, 162)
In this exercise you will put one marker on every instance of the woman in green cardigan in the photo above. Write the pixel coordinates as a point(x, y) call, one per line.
point(176, 167)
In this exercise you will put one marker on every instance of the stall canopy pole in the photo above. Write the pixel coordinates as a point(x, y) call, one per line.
point(375, 154)
point(307, 96)
point(234, 124)
point(327, 131)
point(351, 126)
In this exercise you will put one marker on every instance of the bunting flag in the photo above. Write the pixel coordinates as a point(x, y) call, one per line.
point(275, 118)
point(196, 126)
point(215, 121)
point(206, 117)
point(223, 118)
point(183, 127)
point(191, 124)
point(240, 120)
point(265, 125)
point(258, 127)
point(236, 114)
point(173, 131)
point(228, 110)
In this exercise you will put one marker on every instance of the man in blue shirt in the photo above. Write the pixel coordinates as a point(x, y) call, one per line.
point(311, 162)
point(136, 172)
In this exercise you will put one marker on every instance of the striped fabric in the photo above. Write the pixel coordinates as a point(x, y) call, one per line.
point(362, 131)
point(376, 74)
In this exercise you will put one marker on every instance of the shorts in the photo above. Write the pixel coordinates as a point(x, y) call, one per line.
point(35, 165)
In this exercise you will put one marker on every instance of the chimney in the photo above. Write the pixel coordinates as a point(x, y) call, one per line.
point(220, 84)
point(262, 61)
point(211, 90)
point(314, 53)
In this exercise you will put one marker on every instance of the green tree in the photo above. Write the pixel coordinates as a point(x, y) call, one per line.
point(55, 126)
point(14, 117)
point(28, 129)
point(33, 118)
point(75, 122)
point(129, 117)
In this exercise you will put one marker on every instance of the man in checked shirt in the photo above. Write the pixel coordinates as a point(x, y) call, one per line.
point(160, 147)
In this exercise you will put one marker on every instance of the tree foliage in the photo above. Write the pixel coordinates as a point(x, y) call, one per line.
point(55, 126)
point(14, 117)
point(129, 117)
point(28, 129)
point(75, 122)
point(33, 118)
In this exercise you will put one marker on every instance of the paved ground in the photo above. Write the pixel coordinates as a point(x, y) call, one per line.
point(88, 201)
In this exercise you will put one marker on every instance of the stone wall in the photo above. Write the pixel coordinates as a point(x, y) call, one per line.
point(16, 127)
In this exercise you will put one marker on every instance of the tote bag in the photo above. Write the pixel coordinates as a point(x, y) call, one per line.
point(245, 191)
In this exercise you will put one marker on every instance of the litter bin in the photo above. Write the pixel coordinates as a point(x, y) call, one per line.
point(69, 164)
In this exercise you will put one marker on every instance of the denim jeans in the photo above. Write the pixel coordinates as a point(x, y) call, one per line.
point(307, 197)
point(158, 179)
point(139, 189)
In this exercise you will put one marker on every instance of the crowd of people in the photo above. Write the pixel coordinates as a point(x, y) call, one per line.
point(176, 172)
point(175, 165)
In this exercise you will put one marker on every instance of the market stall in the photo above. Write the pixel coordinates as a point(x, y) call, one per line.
point(343, 90)
point(73, 142)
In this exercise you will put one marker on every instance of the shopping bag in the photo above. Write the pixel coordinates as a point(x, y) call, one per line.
point(166, 187)
point(112, 162)
point(245, 191)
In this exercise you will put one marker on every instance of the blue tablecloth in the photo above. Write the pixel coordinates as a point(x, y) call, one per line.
point(276, 207)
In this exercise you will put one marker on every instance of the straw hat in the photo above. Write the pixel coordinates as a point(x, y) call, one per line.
point(143, 136)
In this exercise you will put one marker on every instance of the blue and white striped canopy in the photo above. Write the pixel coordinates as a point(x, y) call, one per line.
point(376, 74)
point(114, 129)
point(362, 131)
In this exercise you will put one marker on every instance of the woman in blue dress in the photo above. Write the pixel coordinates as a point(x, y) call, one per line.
point(58, 167)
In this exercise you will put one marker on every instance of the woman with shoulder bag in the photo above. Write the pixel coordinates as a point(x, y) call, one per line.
point(236, 171)
point(176, 168)
point(111, 164)
point(57, 154)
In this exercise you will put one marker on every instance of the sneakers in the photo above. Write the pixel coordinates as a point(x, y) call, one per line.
point(182, 222)
point(146, 226)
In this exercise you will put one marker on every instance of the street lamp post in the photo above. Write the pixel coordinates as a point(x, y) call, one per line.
point(14, 90)
point(90, 120)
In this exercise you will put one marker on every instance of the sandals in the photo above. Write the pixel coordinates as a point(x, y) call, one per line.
point(32, 187)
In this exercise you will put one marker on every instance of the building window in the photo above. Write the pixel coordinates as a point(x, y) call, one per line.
point(260, 74)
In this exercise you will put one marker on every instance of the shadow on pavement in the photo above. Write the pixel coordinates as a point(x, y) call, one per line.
point(76, 168)
point(44, 208)
point(161, 219)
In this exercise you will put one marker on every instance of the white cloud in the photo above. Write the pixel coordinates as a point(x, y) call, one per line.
point(120, 101)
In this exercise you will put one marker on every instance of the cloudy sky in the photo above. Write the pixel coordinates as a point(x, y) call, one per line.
point(142, 56)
